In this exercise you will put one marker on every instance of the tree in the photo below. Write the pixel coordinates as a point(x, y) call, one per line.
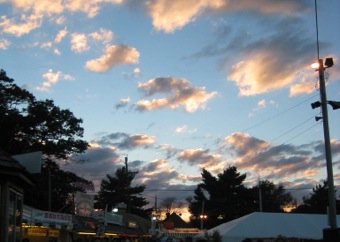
point(117, 189)
point(62, 189)
point(274, 198)
point(28, 125)
point(317, 202)
point(222, 198)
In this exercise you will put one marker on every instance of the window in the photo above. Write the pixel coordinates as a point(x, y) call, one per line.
point(14, 216)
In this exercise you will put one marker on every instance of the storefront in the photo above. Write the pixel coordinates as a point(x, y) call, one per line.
point(44, 226)
point(14, 178)
point(110, 227)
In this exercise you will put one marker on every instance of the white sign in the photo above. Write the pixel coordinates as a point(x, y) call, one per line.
point(51, 218)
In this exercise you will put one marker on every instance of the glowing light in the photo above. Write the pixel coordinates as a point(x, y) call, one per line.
point(315, 65)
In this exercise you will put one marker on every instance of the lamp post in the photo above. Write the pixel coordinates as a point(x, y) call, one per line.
point(332, 234)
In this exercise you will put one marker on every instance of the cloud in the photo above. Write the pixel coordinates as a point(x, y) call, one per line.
point(104, 36)
point(123, 103)
point(184, 129)
point(302, 88)
point(262, 104)
point(57, 52)
point(52, 78)
point(9, 26)
point(201, 158)
point(181, 94)
point(113, 55)
point(61, 34)
point(95, 163)
point(169, 16)
point(268, 7)
point(4, 44)
point(125, 141)
point(91, 8)
point(46, 45)
point(52, 7)
point(169, 150)
point(79, 43)
point(273, 162)
point(272, 63)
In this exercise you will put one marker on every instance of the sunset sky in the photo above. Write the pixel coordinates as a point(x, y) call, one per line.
point(182, 85)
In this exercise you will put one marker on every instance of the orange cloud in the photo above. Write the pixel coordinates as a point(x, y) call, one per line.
point(28, 23)
point(181, 94)
point(169, 16)
point(113, 55)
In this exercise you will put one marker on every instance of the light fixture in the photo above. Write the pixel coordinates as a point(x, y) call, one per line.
point(329, 62)
point(316, 105)
point(335, 105)
point(317, 118)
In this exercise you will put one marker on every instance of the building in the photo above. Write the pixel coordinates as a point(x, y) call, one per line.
point(14, 178)
point(175, 227)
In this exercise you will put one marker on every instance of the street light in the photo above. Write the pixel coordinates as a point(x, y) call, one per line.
point(331, 234)
point(203, 217)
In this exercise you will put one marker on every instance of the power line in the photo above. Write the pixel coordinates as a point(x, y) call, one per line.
point(279, 114)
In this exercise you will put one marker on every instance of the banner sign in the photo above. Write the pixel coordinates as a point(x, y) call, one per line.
point(107, 218)
point(37, 231)
point(51, 218)
point(84, 205)
point(53, 233)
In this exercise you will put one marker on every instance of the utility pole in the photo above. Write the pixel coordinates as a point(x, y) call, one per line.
point(128, 183)
point(332, 234)
point(331, 193)
point(202, 215)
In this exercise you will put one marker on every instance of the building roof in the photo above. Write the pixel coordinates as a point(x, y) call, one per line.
point(177, 220)
point(271, 225)
point(12, 170)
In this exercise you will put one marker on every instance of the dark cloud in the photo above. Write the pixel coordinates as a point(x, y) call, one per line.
point(125, 141)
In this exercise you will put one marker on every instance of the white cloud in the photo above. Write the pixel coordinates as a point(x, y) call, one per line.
point(113, 55)
point(184, 129)
point(55, 7)
point(61, 34)
point(28, 23)
point(4, 43)
point(52, 78)
point(46, 45)
point(57, 52)
point(103, 35)
point(79, 43)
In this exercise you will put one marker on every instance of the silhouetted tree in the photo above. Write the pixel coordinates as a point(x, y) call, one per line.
point(222, 198)
point(317, 202)
point(274, 198)
point(28, 125)
point(118, 189)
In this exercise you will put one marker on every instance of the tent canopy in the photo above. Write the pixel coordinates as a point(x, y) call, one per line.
point(271, 225)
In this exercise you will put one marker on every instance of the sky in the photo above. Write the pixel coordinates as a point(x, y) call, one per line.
point(178, 86)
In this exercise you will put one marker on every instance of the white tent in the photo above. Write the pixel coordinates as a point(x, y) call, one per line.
point(271, 225)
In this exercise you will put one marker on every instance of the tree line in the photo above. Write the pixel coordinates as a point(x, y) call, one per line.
point(28, 125)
